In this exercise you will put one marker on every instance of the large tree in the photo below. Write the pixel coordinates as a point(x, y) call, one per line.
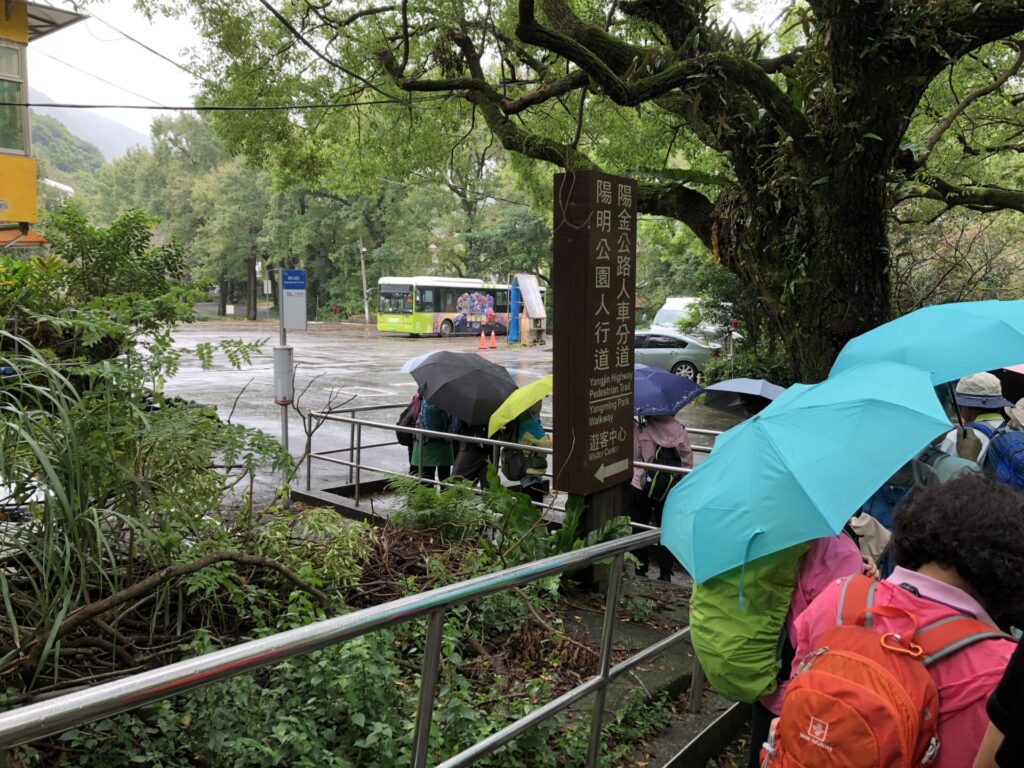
point(784, 157)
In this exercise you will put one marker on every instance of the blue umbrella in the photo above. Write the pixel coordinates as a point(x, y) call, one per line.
point(949, 341)
point(728, 395)
point(660, 393)
point(801, 468)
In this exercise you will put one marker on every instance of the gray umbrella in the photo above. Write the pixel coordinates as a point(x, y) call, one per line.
point(729, 395)
point(465, 385)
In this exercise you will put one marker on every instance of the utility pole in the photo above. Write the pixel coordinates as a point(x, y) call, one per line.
point(362, 271)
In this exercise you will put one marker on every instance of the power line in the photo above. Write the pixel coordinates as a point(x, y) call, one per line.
point(101, 79)
point(155, 52)
point(233, 107)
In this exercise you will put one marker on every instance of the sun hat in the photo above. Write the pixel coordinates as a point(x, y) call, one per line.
point(1016, 411)
point(981, 390)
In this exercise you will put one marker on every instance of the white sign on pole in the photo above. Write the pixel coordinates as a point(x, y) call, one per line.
point(293, 299)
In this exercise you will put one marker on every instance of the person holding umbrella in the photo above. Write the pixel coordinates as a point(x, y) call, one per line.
point(521, 409)
point(658, 438)
point(980, 399)
point(531, 432)
point(432, 457)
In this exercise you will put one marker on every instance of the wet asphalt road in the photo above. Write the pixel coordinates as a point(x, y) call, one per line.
point(344, 363)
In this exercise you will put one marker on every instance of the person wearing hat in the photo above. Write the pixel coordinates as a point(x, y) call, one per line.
point(1015, 415)
point(980, 397)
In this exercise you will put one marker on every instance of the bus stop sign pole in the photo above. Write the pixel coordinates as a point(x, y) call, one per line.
point(292, 315)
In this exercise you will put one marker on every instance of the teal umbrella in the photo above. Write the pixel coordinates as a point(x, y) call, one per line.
point(949, 341)
point(801, 468)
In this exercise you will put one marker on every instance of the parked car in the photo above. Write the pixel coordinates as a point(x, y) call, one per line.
point(677, 352)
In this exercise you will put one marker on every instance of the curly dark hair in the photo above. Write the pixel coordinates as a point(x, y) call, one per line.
point(974, 526)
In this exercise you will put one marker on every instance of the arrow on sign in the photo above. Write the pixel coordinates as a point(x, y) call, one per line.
point(606, 471)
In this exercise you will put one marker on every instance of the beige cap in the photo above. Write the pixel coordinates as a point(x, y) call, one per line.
point(1016, 412)
point(981, 390)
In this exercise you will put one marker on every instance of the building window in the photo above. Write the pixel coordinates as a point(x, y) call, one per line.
point(13, 119)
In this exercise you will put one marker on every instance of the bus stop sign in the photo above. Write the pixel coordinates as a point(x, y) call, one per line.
point(293, 299)
point(594, 282)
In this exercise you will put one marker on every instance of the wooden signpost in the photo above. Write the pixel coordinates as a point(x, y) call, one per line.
point(594, 284)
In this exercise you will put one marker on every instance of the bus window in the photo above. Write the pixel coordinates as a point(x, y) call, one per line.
point(424, 299)
point(501, 301)
point(449, 300)
point(395, 299)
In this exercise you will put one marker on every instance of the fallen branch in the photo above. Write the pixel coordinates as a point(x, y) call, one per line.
point(150, 583)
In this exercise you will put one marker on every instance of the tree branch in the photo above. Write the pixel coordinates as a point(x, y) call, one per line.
point(89, 612)
point(967, 100)
point(977, 198)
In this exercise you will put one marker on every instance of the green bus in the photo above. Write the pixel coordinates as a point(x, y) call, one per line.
point(442, 306)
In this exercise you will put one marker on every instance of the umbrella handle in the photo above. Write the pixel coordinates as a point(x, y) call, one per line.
point(743, 568)
point(956, 405)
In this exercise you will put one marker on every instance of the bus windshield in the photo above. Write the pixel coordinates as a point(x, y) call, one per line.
point(395, 299)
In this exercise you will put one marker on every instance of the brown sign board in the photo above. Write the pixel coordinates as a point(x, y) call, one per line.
point(594, 286)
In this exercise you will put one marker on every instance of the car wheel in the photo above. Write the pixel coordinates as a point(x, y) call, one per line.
point(447, 329)
point(686, 370)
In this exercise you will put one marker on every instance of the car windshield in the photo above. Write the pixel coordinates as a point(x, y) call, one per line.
point(669, 317)
point(395, 299)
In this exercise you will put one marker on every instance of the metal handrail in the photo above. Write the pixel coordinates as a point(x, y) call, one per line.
point(53, 716)
point(485, 441)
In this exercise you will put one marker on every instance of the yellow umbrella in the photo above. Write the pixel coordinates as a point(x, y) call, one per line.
point(518, 402)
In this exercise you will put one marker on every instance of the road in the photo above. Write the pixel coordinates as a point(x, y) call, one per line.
point(349, 363)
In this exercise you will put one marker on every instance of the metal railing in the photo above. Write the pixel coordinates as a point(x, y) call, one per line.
point(356, 447)
point(54, 716)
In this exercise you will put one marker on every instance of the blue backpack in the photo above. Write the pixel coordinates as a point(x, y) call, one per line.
point(1005, 457)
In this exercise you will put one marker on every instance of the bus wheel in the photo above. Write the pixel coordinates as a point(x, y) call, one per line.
point(447, 329)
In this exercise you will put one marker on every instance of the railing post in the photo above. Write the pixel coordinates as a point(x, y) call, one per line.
point(697, 679)
point(309, 455)
point(5, 759)
point(604, 662)
point(419, 463)
point(428, 688)
point(359, 459)
point(351, 441)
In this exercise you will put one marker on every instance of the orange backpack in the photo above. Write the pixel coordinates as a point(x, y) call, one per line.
point(865, 699)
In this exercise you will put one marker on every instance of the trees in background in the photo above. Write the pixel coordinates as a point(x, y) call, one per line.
point(783, 154)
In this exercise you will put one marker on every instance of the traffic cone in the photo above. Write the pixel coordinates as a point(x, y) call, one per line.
point(494, 341)
point(483, 341)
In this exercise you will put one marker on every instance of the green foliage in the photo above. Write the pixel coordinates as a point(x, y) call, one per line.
point(61, 150)
point(456, 513)
point(319, 544)
point(122, 479)
point(97, 289)
point(758, 362)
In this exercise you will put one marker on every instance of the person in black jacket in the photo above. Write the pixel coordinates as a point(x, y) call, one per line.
point(1003, 745)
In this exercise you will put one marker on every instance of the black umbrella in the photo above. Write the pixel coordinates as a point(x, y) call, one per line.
point(465, 385)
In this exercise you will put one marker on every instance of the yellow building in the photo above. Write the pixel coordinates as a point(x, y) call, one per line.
point(20, 24)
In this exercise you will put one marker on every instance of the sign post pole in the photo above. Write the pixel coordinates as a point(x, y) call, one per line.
point(594, 283)
point(292, 314)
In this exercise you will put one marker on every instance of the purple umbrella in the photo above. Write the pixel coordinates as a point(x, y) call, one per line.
point(660, 393)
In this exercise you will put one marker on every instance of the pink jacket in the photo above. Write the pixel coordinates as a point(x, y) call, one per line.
point(835, 557)
point(666, 431)
point(964, 680)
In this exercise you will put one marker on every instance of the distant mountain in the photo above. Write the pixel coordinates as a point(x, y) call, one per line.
point(60, 149)
point(111, 137)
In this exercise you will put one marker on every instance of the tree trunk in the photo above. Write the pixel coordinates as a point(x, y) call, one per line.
point(814, 263)
point(222, 297)
point(250, 288)
point(274, 297)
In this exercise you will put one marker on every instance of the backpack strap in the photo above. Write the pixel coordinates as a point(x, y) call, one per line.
point(985, 429)
point(856, 597)
point(944, 637)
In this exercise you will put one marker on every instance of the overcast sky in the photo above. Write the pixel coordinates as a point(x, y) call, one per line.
point(90, 63)
point(71, 65)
